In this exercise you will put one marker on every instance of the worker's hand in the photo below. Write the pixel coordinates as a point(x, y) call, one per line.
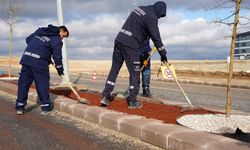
point(164, 58)
point(145, 63)
point(163, 54)
point(60, 73)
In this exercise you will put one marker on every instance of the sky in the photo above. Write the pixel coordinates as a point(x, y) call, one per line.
point(188, 31)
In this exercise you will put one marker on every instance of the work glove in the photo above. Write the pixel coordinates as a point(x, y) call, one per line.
point(163, 55)
point(59, 69)
point(60, 73)
point(164, 58)
point(145, 63)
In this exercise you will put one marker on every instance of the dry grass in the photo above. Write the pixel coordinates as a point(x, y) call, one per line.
point(189, 67)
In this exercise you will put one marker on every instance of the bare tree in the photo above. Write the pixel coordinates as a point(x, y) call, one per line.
point(237, 5)
point(12, 8)
point(230, 74)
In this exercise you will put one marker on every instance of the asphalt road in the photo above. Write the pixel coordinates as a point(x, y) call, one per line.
point(203, 95)
point(56, 131)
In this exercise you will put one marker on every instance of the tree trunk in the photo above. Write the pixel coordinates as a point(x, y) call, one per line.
point(10, 48)
point(230, 74)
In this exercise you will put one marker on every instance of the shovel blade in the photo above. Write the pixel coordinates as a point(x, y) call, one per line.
point(83, 101)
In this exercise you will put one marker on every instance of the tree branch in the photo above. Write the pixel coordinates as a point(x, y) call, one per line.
point(221, 5)
point(222, 22)
point(243, 17)
point(229, 16)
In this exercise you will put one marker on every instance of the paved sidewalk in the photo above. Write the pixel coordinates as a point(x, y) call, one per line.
point(167, 136)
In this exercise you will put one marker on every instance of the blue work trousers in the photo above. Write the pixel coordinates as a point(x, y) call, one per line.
point(131, 57)
point(146, 71)
point(41, 78)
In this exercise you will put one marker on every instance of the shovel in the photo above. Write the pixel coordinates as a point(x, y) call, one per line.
point(79, 99)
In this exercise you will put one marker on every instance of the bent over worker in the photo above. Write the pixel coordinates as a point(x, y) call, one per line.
point(141, 25)
point(44, 43)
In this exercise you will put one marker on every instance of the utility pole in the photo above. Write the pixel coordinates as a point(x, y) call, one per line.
point(230, 74)
point(64, 51)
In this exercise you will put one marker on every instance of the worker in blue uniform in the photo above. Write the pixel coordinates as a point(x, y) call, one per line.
point(141, 25)
point(146, 71)
point(42, 45)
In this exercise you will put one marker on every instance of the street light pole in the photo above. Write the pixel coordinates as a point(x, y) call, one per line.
point(64, 51)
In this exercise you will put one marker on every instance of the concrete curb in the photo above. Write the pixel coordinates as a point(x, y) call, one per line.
point(167, 136)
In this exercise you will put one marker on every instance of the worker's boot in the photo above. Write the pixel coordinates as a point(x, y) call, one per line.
point(45, 113)
point(20, 112)
point(146, 93)
point(105, 101)
point(134, 104)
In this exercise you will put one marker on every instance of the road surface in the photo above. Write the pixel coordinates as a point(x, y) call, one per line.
point(56, 131)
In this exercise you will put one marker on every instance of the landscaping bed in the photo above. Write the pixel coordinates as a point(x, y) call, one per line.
point(166, 113)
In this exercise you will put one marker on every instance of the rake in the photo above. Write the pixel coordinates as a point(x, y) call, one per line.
point(178, 84)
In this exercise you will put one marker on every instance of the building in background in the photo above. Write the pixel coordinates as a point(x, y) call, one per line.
point(242, 46)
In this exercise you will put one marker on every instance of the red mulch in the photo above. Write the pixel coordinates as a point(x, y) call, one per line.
point(163, 112)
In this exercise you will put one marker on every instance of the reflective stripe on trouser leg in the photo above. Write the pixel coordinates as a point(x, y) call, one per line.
point(117, 61)
point(132, 59)
point(42, 78)
point(24, 83)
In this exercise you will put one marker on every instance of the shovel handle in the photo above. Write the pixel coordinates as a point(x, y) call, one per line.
point(73, 90)
point(79, 99)
point(150, 55)
point(175, 79)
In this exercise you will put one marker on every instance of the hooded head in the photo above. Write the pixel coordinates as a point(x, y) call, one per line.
point(160, 9)
point(51, 30)
point(63, 32)
point(48, 31)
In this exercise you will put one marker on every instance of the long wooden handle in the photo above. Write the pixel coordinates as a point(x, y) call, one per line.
point(73, 90)
point(150, 55)
point(175, 78)
point(79, 99)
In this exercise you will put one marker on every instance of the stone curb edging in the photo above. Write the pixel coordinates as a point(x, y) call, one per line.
point(167, 136)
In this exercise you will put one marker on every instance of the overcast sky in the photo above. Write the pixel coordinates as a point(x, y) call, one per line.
point(186, 31)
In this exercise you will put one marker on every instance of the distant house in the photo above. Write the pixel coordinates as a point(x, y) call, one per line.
point(242, 46)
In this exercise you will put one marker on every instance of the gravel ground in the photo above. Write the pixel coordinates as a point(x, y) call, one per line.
point(216, 123)
point(101, 135)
